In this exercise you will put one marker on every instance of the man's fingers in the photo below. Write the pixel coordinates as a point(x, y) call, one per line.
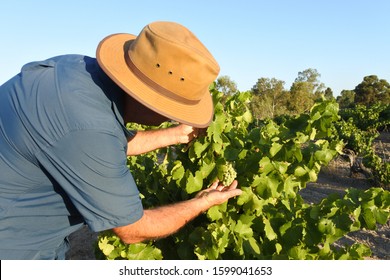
point(233, 185)
point(232, 189)
point(234, 192)
point(218, 186)
point(214, 185)
point(226, 194)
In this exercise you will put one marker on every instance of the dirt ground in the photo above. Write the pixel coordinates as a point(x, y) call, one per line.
point(333, 178)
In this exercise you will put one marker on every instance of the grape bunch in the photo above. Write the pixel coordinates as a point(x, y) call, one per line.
point(227, 174)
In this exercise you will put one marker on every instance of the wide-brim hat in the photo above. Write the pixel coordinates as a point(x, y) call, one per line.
point(166, 68)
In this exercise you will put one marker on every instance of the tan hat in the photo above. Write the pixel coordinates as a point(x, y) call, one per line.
point(166, 68)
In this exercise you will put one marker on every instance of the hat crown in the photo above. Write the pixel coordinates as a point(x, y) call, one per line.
point(170, 59)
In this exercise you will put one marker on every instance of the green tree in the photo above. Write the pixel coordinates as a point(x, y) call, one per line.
point(305, 89)
point(311, 77)
point(329, 94)
point(300, 98)
point(372, 90)
point(226, 85)
point(346, 99)
point(269, 98)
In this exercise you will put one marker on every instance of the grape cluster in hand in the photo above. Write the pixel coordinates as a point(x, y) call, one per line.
point(228, 175)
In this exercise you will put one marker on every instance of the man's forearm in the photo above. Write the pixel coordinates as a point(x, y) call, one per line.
point(149, 140)
point(162, 221)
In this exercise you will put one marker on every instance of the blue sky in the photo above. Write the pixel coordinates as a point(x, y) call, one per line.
point(344, 40)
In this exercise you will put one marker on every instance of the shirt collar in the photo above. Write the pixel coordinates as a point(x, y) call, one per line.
point(116, 96)
point(119, 116)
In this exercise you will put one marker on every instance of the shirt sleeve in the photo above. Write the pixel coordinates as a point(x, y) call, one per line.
point(91, 167)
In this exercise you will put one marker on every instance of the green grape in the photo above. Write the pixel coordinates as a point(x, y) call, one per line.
point(228, 174)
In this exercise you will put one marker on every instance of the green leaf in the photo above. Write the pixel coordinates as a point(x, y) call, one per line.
point(326, 226)
point(245, 196)
point(231, 153)
point(206, 169)
point(278, 248)
point(369, 218)
point(275, 148)
point(242, 154)
point(313, 134)
point(105, 247)
point(315, 212)
point(244, 230)
point(178, 171)
point(316, 116)
point(272, 128)
point(199, 148)
point(301, 138)
point(298, 154)
point(269, 231)
point(297, 253)
point(358, 251)
point(381, 215)
point(141, 251)
point(284, 228)
point(194, 183)
point(214, 214)
point(324, 156)
point(254, 245)
point(300, 171)
point(313, 175)
point(281, 166)
point(247, 117)
point(216, 128)
point(266, 166)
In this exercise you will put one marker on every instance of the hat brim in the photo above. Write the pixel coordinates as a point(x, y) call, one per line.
point(111, 58)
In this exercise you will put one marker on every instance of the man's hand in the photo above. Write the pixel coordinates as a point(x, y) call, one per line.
point(185, 133)
point(217, 193)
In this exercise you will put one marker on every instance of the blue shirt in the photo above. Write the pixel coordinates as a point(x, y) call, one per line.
point(62, 157)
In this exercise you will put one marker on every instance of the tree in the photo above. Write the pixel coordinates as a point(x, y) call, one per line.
point(329, 94)
point(300, 98)
point(372, 90)
point(305, 89)
point(226, 85)
point(269, 98)
point(346, 99)
point(311, 76)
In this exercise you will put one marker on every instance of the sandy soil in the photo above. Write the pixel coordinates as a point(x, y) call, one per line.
point(334, 178)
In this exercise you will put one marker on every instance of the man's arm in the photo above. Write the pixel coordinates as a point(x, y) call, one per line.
point(149, 140)
point(166, 220)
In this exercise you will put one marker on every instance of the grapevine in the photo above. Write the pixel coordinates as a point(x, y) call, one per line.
point(358, 128)
point(273, 161)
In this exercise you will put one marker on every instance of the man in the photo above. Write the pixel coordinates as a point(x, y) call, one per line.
point(63, 143)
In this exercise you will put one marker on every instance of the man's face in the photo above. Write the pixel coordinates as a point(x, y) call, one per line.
point(139, 113)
